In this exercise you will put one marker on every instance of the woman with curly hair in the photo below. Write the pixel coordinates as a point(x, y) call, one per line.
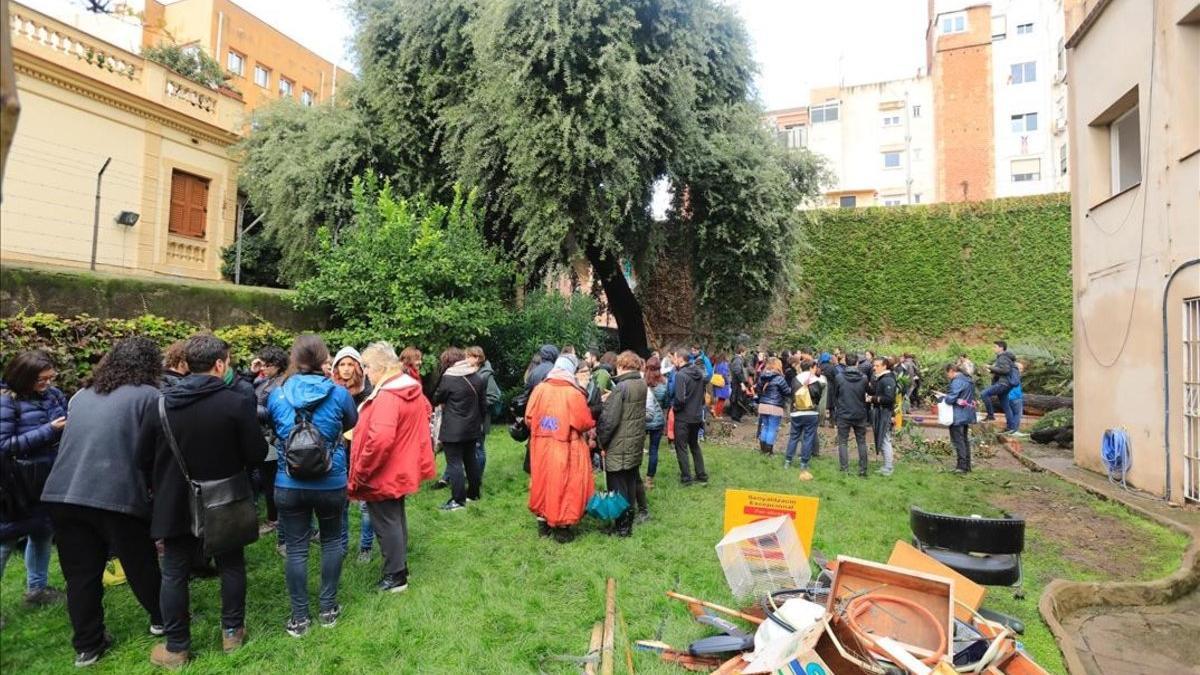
point(97, 493)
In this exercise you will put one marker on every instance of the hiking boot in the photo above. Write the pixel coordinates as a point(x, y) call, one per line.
point(41, 597)
point(544, 529)
point(165, 658)
point(89, 657)
point(805, 474)
point(297, 627)
point(452, 506)
point(564, 535)
point(393, 583)
point(364, 555)
point(329, 617)
point(232, 639)
point(439, 485)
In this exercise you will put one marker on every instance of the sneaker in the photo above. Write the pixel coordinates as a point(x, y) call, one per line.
point(42, 597)
point(703, 482)
point(329, 617)
point(298, 627)
point(805, 474)
point(686, 483)
point(165, 658)
point(393, 583)
point(1019, 434)
point(91, 656)
point(266, 528)
point(885, 472)
point(472, 500)
point(960, 470)
point(787, 463)
point(364, 555)
point(232, 639)
point(649, 482)
point(157, 630)
point(439, 485)
point(641, 517)
point(452, 506)
point(281, 550)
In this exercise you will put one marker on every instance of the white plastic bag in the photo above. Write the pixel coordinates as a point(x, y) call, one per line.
point(945, 413)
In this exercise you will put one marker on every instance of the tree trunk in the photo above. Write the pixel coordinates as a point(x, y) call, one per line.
point(624, 305)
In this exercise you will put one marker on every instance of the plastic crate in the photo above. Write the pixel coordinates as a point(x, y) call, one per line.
point(763, 557)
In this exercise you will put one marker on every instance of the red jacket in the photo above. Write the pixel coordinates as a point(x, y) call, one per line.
point(391, 451)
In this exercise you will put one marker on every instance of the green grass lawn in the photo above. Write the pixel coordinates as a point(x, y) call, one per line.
point(487, 595)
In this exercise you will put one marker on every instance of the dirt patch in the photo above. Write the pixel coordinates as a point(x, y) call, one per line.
point(1092, 541)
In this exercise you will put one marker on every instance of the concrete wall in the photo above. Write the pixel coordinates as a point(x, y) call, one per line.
point(962, 94)
point(1041, 96)
point(76, 113)
point(1126, 246)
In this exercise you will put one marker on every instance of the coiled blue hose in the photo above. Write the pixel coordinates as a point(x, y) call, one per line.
point(1116, 453)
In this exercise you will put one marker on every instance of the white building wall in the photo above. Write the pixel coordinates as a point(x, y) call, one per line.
point(1042, 96)
point(855, 144)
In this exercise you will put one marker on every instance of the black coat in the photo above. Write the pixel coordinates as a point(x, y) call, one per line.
point(218, 435)
point(883, 392)
point(851, 397)
point(463, 398)
point(689, 394)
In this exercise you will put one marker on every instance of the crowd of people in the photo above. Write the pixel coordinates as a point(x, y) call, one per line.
point(188, 446)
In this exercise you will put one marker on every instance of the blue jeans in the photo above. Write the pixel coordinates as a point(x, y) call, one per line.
point(366, 534)
point(481, 455)
point(1000, 390)
point(769, 428)
point(296, 509)
point(37, 558)
point(1013, 410)
point(655, 436)
point(803, 432)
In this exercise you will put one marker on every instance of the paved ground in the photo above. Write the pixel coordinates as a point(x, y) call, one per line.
point(1131, 640)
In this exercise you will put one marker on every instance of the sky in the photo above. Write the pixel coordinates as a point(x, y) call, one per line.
point(799, 44)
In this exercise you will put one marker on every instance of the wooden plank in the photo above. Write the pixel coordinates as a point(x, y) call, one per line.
point(966, 591)
point(594, 647)
point(610, 610)
point(711, 605)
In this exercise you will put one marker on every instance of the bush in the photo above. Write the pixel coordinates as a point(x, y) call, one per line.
point(544, 318)
point(409, 271)
point(191, 63)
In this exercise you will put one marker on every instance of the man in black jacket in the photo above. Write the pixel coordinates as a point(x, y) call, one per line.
point(218, 437)
point(1001, 371)
point(850, 412)
point(689, 411)
point(737, 373)
point(883, 401)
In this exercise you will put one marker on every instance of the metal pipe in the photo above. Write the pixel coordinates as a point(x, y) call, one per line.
point(96, 216)
point(1167, 377)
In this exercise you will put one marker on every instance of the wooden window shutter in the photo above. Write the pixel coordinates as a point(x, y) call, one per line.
point(177, 219)
point(189, 205)
point(198, 207)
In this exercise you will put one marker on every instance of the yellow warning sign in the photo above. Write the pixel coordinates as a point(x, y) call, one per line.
point(747, 506)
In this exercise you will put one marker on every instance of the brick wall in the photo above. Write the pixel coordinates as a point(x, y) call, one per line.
point(962, 95)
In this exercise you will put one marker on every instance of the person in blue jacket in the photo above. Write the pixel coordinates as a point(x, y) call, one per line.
point(961, 395)
point(307, 391)
point(33, 414)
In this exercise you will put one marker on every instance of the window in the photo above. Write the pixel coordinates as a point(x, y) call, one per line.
point(847, 201)
point(1024, 28)
point(892, 200)
point(999, 27)
point(891, 160)
point(954, 23)
point(262, 76)
point(1126, 147)
point(824, 113)
point(917, 198)
point(1025, 122)
point(916, 111)
point(307, 97)
point(189, 205)
point(795, 136)
point(285, 87)
point(236, 63)
point(1023, 72)
point(891, 120)
point(1062, 160)
point(1026, 170)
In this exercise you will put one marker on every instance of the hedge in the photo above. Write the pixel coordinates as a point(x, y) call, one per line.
point(1000, 267)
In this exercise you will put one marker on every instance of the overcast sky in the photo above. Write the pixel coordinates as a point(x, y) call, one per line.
point(799, 43)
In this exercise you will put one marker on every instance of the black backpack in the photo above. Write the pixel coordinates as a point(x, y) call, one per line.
point(306, 455)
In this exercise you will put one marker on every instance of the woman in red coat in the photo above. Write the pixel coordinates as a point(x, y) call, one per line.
point(390, 454)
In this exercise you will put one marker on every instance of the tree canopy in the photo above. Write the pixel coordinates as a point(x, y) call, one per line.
point(562, 116)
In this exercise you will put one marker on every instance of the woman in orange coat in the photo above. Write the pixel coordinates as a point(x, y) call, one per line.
point(390, 454)
point(560, 462)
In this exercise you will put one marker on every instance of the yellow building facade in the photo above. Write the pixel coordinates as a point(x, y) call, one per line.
point(84, 101)
point(263, 63)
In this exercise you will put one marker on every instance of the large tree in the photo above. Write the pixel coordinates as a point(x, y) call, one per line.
point(563, 116)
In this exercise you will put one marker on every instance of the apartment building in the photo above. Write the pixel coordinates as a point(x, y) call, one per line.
point(264, 64)
point(986, 117)
point(1135, 212)
point(117, 162)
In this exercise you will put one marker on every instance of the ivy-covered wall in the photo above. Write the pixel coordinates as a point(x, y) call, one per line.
point(1000, 267)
